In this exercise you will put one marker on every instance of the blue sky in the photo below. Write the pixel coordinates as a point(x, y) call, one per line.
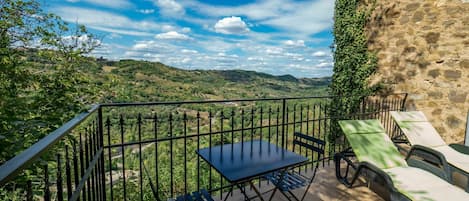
point(272, 36)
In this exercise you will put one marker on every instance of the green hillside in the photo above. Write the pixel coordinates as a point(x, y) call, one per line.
point(142, 81)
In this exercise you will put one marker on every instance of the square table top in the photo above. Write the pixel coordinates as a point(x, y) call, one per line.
point(244, 160)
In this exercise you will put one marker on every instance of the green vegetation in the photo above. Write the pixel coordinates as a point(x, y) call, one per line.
point(353, 62)
point(36, 100)
point(45, 81)
point(137, 81)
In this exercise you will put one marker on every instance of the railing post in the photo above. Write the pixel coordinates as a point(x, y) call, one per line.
point(101, 144)
point(284, 107)
point(403, 103)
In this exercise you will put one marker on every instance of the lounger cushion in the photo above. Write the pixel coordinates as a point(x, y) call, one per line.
point(419, 184)
point(421, 133)
point(418, 129)
point(409, 116)
point(361, 126)
point(371, 144)
point(455, 158)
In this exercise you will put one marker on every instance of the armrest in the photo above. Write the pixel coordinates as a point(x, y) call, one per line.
point(430, 160)
point(388, 183)
point(460, 148)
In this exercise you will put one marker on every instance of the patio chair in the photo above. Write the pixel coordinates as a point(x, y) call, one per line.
point(419, 131)
point(286, 181)
point(409, 178)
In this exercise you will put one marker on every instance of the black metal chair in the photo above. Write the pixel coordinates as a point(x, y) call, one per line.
point(288, 180)
point(201, 195)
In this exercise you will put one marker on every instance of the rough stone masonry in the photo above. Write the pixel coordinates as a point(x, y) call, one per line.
point(423, 49)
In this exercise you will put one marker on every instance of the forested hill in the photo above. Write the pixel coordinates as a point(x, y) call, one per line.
point(142, 81)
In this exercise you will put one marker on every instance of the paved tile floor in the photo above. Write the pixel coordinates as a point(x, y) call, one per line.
point(325, 187)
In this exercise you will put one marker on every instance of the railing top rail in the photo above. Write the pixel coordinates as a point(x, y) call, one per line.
point(13, 166)
point(208, 101)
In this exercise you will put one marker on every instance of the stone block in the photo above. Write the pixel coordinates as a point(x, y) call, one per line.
point(434, 73)
point(464, 63)
point(412, 6)
point(432, 37)
point(418, 16)
point(453, 122)
point(435, 94)
point(436, 112)
point(457, 96)
point(452, 74)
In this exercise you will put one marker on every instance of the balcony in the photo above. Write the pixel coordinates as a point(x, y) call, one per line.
point(146, 151)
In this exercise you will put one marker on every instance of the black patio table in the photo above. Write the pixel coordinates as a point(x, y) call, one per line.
point(243, 161)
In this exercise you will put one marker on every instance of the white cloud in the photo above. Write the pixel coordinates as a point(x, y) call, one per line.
point(231, 25)
point(121, 31)
point(146, 11)
point(189, 51)
point(255, 59)
point(114, 36)
point(297, 43)
point(172, 35)
point(274, 50)
point(108, 3)
point(320, 54)
point(170, 7)
point(325, 64)
point(168, 27)
point(186, 30)
point(297, 18)
point(306, 18)
point(186, 60)
point(106, 21)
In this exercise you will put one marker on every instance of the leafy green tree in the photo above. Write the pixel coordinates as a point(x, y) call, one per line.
point(37, 97)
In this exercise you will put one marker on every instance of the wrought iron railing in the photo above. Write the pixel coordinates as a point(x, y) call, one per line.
point(146, 151)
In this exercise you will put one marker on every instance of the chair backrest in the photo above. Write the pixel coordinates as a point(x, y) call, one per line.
point(466, 138)
point(310, 143)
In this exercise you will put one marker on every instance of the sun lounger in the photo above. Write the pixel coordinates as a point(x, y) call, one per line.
point(419, 131)
point(410, 178)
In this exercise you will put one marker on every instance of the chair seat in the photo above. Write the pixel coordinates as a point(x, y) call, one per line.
point(291, 180)
point(201, 195)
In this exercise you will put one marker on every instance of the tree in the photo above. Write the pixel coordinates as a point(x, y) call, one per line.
point(38, 95)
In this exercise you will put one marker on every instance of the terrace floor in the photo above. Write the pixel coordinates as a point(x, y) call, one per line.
point(324, 187)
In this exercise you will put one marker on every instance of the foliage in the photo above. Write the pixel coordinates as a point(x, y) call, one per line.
point(353, 62)
point(37, 97)
point(141, 81)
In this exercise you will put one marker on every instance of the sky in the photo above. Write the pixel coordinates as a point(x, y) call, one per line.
point(272, 36)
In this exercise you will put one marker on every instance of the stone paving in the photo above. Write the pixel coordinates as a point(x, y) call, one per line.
point(325, 187)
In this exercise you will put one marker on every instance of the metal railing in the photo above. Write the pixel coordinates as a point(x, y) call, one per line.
point(146, 151)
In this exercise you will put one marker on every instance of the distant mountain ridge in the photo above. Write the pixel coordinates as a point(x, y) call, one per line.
point(154, 81)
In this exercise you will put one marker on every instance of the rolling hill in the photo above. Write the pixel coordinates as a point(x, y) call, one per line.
point(143, 81)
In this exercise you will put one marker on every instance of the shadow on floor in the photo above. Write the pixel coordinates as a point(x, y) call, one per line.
point(324, 187)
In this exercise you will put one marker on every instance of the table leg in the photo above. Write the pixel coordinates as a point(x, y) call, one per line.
point(256, 190)
point(241, 188)
point(228, 194)
point(273, 193)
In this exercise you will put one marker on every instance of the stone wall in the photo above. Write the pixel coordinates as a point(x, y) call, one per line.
point(423, 49)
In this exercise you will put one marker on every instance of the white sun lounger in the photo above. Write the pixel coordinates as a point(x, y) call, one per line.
point(419, 131)
point(406, 179)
